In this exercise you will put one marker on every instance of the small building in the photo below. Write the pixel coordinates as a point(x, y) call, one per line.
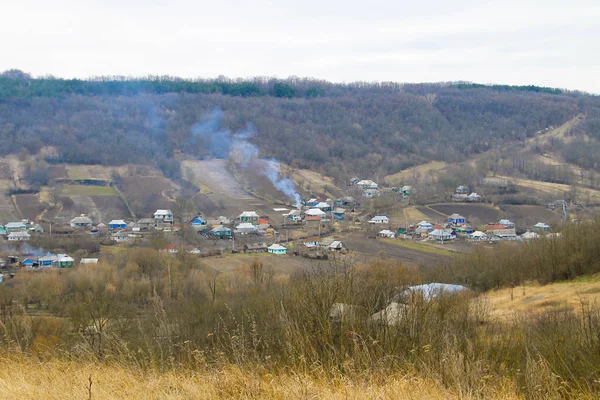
point(507, 223)
point(345, 201)
point(462, 189)
point(117, 224)
point(353, 181)
point(198, 221)
point(15, 227)
point(88, 261)
point(28, 263)
point(425, 225)
point(163, 217)
point(277, 249)
point(315, 212)
point(18, 236)
point(387, 234)
point(120, 236)
point(81, 222)
point(367, 184)
point(478, 236)
point(294, 216)
point(221, 231)
point(408, 190)
point(473, 197)
point(500, 231)
point(370, 193)
point(170, 248)
point(246, 228)
point(249, 216)
point(312, 241)
point(64, 261)
point(441, 235)
point(456, 219)
point(379, 219)
point(336, 245)
point(255, 248)
point(194, 251)
point(339, 213)
point(323, 206)
point(542, 226)
point(530, 235)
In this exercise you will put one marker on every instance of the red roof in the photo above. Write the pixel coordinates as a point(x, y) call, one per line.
point(312, 218)
point(492, 227)
point(262, 221)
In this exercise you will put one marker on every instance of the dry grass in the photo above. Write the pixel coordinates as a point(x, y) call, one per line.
point(422, 247)
point(554, 189)
point(413, 216)
point(317, 182)
point(27, 378)
point(422, 170)
point(81, 172)
point(534, 299)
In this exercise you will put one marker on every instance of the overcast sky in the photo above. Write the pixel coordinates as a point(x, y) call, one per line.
point(547, 43)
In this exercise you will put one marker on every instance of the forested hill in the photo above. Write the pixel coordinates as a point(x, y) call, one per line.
point(338, 129)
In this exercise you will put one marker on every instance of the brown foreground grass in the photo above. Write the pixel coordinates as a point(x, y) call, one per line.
point(28, 378)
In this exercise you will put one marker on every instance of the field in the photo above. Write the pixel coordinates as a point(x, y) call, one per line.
point(525, 215)
point(84, 190)
point(557, 190)
point(83, 172)
point(31, 378)
point(306, 179)
point(146, 194)
point(431, 215)
point(475, 213)
point(29, 205)
point(410, 255)
point(407, 175)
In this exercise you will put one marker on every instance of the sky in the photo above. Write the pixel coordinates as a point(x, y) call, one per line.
point(545, 43)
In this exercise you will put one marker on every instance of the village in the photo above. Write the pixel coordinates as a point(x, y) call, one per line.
point(316, 229)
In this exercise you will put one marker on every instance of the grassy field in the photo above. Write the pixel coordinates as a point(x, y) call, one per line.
point(82, 172)
point(81, 190)
point(318, 183)
point(414, 216)
point(482, 213)
point(29, 205)
point(421, 170)
point(556, 189)
point(422, 247)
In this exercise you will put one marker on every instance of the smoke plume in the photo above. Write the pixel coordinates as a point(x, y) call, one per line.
point(221, 143)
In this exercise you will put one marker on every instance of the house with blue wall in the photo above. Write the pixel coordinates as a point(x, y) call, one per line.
point(456, 219)
point(117, 224)
point(198, 221)
point(277, 249)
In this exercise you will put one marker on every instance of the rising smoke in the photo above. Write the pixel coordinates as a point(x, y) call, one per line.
point(221, 143)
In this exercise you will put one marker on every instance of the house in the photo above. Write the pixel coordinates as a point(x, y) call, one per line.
point(462, 189)
point(64, 261)
point(117, 224)
point(387, 234)
point(353, 181)
point(36, 228)
point(81, 222)
point(312, 241)
point(198, 221)
point(15, 227)
point(367, 184)
point(18, 236)
point(323, 206)
point(379, 219)
point(120, 236)
point(88, 261)
point(500, 231)
point(408, 190)
point(313, 219)
point(255, 248)
point(315, 212)
point(345, 201)
point(421, 231)
point(338, 213)
point(221, 231)
point(425, 224)
point(530, 235)
point(277, 249)
point(311, 202)
point(218, 221)
point(265, 229)
point(146, 224)
point(370, 193)
point(294, 216)
point(245, 228)
point(163, 217)
point(170, 248)
point(478, 235)
point(542, 226)
point(456, 219)
point(28, 263)
point(46, 261)
point(336, 245)
point(441, 234)
point(473, 197)
point(507, 223)
point(194, 251)
point(248, 216)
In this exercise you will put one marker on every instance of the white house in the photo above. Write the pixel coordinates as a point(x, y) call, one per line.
point(163, 217)
point(478, 235)
point(120, 236)
point(456, 219)
point(379, 219)
point(18, 236)
point(88, 261)
point(387, 234)
point(370, 193)
point(248, 216)
point(473, 197)
point(276, 249)
point(315, 212)
point(425, 225)
point(245, 228)
point(440, 234)
point(530, 235)
point(507, 223)
point(542, 226)
point(367, 184)
point(81, 222)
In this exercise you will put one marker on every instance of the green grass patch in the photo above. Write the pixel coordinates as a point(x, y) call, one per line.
point(81, 190)
point(425, 248)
